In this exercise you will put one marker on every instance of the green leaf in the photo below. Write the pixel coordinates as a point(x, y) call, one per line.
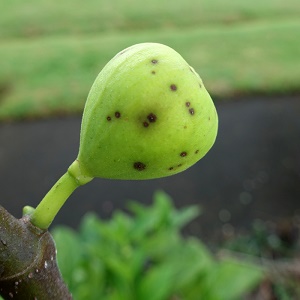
point(157, 284)
point(196, 261)
point(69, 250)
point(153, 218)
point(89, 226)
point(231, 279)
point(185, 215)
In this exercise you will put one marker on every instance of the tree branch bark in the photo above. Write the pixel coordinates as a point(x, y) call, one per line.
point(28, 266)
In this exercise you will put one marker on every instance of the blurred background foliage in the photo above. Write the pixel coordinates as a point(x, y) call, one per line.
point(51, 51)
point(142, 255)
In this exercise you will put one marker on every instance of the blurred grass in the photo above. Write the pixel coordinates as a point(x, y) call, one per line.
point(34, 18)
point(52, 51)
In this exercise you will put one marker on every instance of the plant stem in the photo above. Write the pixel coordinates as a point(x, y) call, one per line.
point(45, 212)
point(50, 205)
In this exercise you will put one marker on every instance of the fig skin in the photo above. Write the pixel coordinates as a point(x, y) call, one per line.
point(148, 115)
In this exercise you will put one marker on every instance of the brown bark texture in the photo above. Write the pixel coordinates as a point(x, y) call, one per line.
point(28, 266)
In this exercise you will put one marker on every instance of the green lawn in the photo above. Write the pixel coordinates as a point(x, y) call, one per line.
point(51, 52)
point(34, 18)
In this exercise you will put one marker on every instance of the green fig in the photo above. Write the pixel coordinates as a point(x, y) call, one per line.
point(148, 115)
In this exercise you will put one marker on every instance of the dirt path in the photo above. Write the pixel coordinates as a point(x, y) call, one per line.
point(252, 172)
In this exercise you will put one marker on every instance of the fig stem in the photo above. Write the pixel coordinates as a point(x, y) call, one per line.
point(50, 205)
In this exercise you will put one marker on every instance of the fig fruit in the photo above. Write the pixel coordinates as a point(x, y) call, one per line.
point(148, 115)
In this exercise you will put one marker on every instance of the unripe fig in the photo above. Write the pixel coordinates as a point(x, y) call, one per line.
point(148, 115)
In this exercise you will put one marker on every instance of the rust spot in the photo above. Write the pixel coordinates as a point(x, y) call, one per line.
point(183, 154)
point(117, 114)
point(151, 118)
point(187, 104)
point(185, 127)
point(200, 85)
point(191, 110)
point(146, 124)
point(197, 151)
point(139, 166)
point(171, 168)
point(173, 87)
point(108, 118)
point(179, 165)
point(154, 61)
point(153, 72)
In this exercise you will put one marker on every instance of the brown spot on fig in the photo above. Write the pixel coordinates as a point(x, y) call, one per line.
point(179, 165)
point(146, 124)
point(183, 154)
point(191, 111)
point(139, 166)
point(187, 104)
point(125, 50)
point(122, 52)
point(117, 114)
point(197, 151)
point(153, 72)
point(151, 118)
point(108, 118)
point(171, 168)
point(154, 61)
point(173, 87)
